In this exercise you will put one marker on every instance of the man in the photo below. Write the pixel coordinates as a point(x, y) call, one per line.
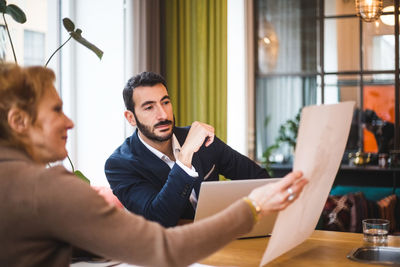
point(382, 130)
point(158, 170)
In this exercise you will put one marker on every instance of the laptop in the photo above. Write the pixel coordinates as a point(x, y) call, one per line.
point(217, 195)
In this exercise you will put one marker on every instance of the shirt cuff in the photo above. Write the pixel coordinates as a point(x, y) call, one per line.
point(190, 171)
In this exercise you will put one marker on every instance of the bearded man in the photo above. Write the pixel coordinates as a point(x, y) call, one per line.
point(157, 172)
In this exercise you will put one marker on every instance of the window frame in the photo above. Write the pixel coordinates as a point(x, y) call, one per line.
point(322, 74)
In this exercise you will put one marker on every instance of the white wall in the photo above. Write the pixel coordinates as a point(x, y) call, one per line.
point(237, 96)
point(92, 88)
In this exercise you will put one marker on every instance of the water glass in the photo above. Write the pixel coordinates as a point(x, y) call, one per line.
point(376, 231)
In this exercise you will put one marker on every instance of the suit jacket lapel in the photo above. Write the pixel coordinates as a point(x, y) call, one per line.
point(159, 168)
point(148, 159)
point(197, 165)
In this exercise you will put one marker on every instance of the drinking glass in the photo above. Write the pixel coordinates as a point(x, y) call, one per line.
point(376, 231)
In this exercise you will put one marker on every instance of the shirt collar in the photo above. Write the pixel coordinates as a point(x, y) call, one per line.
point(176, 148)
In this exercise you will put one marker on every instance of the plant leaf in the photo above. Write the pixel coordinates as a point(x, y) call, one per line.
point(78, 37)
point(81, 176)
point(16, 13)
point(3, 6)
point(68, 24)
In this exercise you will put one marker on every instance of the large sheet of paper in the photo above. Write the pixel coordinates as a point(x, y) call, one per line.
point(321, 141)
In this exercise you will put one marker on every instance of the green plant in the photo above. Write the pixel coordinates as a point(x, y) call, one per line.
point(76, 34)
point(267, 158)
point(19, 16)
point(287, 134)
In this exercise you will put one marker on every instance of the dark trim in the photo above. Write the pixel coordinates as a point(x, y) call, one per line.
point(321, 48)
point(314, 73)
point(361, 88)
point(396, 78)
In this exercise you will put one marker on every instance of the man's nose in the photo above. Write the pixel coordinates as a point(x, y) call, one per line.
point(161, 113)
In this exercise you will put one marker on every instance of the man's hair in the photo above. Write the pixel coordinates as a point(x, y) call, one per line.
point(146, 78)
point(369, 116)
point(22, 88)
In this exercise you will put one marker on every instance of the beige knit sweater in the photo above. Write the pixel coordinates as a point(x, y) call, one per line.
point(46, 211)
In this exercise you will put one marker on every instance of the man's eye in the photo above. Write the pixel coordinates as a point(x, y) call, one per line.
point(148, 108)
point(58, 109)
point(166, 102)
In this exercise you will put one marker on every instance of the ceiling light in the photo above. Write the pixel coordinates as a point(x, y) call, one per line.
point(369, 10)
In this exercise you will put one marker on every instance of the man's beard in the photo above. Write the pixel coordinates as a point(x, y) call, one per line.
point(146, 130)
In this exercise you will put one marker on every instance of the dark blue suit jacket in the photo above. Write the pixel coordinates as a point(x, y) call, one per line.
point(146, 185)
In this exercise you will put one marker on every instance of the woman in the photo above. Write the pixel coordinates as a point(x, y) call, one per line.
point(46, 211)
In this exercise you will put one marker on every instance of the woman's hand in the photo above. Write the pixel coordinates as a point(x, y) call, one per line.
point(277, 196)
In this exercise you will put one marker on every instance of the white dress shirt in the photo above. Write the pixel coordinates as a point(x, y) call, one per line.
point(176, 148)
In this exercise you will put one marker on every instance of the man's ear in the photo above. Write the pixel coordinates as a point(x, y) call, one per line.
point(18, 120)
point(130, 117)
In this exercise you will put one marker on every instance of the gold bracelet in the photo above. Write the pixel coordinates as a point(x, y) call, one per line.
point(255, 208)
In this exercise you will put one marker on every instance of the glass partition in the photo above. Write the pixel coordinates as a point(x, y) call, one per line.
point(341, 45)
point(324, 54)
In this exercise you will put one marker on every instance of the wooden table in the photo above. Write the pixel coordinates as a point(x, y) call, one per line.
point(323, 248)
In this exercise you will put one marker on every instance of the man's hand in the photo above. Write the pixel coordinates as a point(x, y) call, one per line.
point(108, 196)
point(198, 134)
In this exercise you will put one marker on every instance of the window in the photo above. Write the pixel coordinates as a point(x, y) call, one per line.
point(34, 48)
point(319, 52)
point(89, 88)
point(3, 40)
point(29, 38)
point(287, 66)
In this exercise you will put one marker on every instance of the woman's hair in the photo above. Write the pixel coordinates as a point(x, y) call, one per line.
point(22, 88)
